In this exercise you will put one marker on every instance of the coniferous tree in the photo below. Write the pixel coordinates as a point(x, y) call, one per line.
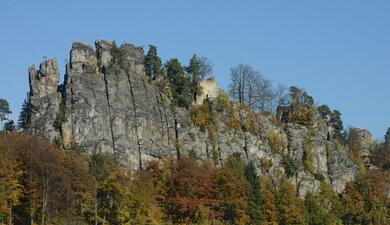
point(24, 116)
point(387, 140)
point(4, 110)
point(254, 197)
point(179, 82)
point(152, 63)
point(324, 112)
point(9, 126)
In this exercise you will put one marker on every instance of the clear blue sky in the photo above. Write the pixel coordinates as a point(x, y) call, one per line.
point(339, 51)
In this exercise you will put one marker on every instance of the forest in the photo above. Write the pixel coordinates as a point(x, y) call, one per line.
point(41, 184)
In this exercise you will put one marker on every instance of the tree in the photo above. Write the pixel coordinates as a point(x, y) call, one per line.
point(386, 144)
point(242, 88)
point(9, 126)
point(337, 124)
point(4, 110)
point(193, 67)
point(189, 187)
point(265, 95)
point(199, 67)
point(336, 121)
point(366, 199)
point(231, 189)
point(152, 63)
point(24, 116)
point(324, 207)
point(193, 70)
point(10, 183)
point(324, 112)
point(254, 197)
point(269, 210)
point(180, 83)
point(290, 205)
point(206, 67)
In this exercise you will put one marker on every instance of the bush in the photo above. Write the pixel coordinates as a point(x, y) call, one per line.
point(290, 166)
point(276, 142)
point(203, 116)
point(222, 101)
point(265, 165)
point(308, 154)
point(319, 176)
point(60, 117)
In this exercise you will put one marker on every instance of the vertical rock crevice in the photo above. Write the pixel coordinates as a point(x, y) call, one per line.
point(109, 110)
point(135, 121)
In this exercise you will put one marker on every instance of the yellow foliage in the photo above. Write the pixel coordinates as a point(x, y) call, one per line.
point(202, 116)
point(276, 142)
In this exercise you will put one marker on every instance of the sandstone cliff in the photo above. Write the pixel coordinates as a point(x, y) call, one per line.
point(112, 109)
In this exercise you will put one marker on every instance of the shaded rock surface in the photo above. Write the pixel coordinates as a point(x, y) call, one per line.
point(109, 109)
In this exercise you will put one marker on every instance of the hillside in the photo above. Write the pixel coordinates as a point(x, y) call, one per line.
point(115, 105)
point(106, 108)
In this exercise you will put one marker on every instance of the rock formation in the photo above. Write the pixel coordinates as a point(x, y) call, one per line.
point(106, 108)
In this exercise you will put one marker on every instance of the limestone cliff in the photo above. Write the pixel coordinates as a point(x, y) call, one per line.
point(107, 108)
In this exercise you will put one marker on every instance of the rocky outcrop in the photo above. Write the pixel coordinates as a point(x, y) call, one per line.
point(361, 142)
point(105, 106)
point(44, 98)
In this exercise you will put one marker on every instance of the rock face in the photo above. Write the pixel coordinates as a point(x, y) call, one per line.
point(361, 141)
point(44, 98)
point(105, 107)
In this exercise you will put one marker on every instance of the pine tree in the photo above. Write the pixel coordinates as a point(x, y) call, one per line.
point(387, 140)
point(9, 126)
point(254, 197)
point(152, 63)
point(24, 116)
point(179, 82)
point(4, 110)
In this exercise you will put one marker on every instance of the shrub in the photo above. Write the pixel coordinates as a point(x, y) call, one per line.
point(60, 117)
point(276, 142)
point(265, 165)
point(203, 116)
point(290, 166)
point(319, 176)
point(308, 154)
point(222, 101)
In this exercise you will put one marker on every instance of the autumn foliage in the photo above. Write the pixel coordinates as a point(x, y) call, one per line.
point(40, 184)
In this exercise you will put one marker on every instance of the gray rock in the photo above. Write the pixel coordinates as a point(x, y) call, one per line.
point(44, 99)
point(107, 108)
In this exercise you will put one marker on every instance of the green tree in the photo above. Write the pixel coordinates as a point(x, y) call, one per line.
point(194, 70)
point(254, 197)
point(4, 110)
point(290, 205)
point(193, 67)
point(387, 140)
point(9, 126)
point(152, 63)
point(336, 121)
point(24, 116)
point(324, 112)
point(199, 67)
point(179, 82)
